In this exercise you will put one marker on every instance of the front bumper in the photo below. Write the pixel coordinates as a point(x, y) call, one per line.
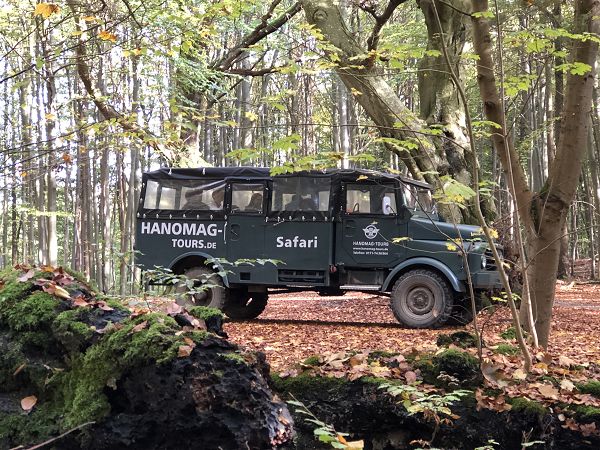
point(486, 279)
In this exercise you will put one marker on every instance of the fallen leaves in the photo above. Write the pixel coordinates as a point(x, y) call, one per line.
point(186, 350)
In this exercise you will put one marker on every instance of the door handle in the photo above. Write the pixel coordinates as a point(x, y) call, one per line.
point(235, 231)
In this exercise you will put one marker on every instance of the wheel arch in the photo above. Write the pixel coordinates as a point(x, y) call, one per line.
point(195, 259)
point(423, 262)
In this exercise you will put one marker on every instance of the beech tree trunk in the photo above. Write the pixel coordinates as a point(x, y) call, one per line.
point(543, 213)
point(383, 106)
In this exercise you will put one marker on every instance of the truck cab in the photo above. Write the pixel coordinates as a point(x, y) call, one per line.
point(244, 233)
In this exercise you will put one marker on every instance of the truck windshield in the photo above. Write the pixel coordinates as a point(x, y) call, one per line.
point(419, 199)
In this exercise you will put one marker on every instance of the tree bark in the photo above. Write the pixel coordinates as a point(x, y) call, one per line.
point(383, 106)
point(543, 214)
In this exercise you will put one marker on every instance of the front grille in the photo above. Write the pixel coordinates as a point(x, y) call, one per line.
point(491, 262)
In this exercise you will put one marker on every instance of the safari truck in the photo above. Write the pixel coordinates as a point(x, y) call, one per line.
point(246, 233)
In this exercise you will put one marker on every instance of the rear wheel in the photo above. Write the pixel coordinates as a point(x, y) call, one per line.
point(213, 295)
point(244, 305)
point(422, 298)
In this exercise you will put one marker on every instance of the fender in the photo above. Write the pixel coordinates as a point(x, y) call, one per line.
point(214, 265)
point(457, 285)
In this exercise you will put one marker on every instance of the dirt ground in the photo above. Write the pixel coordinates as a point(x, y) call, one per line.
point(296, 326)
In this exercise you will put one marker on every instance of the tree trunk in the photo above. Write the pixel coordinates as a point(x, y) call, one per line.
point(544, 214)
point(382, 104)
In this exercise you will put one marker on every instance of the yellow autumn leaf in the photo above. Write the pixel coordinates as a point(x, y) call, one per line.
point(46, 9)
point(494, 233)
point(355, 92)
point(107, 36)
point(362, 177)
point(50, 116)
point(89, 18)
point(451, 247)
point(251, 116)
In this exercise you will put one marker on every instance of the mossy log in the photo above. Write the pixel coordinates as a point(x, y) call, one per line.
point(122, 380)
point(369, 413)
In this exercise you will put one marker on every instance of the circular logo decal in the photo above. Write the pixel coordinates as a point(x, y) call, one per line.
point(371, 231)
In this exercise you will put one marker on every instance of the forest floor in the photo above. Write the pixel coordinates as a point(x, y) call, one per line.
point(296, 326)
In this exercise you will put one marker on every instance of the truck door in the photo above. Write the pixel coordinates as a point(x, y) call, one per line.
point(245, 233)
point(368, 225)
point(299, 231)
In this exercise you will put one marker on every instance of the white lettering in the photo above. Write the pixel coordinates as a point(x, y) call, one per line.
point(211, 230)
point(296, 242)
point(177, 228)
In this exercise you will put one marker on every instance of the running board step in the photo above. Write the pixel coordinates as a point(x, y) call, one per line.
point(361, 287)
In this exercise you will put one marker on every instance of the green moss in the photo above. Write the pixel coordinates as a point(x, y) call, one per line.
point(526, 406)
point(509, 334)
point(461, 339)
point(588, 413)
point(379, 354)
point(306, 383)
point(456, 364)
point(70, 332)
point(312, 361)
point(120, 350)
point(591, 387)
point(235, 357)
point(42, 422)
point(507, 349)
point(204, 312)
point(11, 294)
point(35, 311)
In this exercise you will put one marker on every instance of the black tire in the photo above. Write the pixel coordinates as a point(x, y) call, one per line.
point(213, 297)
point(422, 298)
point(243, 305)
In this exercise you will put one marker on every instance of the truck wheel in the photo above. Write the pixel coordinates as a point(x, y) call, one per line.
point(422, 298)
point(213, 296)
point(244, 305)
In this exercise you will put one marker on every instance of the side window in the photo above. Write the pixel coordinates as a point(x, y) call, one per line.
point(300, 194)
point(418, 199)
point(174, 194)
point(247, 198)
point(203, 196)
point(371, 199)
point(159, 196)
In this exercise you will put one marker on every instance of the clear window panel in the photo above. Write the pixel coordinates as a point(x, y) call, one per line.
point(247, 198)
point(301, 194)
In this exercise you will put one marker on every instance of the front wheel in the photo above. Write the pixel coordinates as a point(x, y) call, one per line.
point(208, 289)
point(243, 305)
point(422, 298)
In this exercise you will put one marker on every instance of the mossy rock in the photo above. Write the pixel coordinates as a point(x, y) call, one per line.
point(450, 369)
point(462, 339)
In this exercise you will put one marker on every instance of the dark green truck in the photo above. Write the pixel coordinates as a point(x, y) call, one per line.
point(329, 231)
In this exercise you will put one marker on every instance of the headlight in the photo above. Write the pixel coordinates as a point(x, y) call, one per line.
point(483, 261)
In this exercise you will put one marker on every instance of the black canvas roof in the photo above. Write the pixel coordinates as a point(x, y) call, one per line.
point(264, 172)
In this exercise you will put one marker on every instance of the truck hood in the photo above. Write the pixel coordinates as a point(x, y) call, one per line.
point(431, 230)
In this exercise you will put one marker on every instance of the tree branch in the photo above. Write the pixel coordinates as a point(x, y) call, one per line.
point(380, 20)
point(263, 29)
